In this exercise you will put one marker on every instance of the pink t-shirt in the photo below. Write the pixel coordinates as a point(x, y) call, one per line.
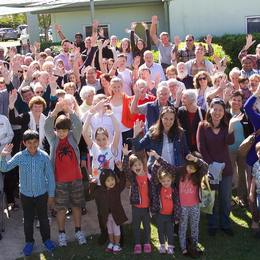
point(189, 193)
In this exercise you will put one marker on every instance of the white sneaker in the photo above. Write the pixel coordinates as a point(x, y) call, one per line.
point(62, 240)
point(81, 238)
point(109, 248)
point(117, 249)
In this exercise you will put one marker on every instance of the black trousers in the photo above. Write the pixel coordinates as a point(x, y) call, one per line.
point(32, 206)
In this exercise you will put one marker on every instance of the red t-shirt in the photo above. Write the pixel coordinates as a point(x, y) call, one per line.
point(142, 182)
point(189, 193)
point(148, 98)
point(66, 164)
point(166, 200)
point(191, 117)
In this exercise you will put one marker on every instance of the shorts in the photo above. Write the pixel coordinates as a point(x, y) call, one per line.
point(69, 195)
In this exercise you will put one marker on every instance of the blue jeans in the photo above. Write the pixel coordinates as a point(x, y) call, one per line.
point(258, 202)
point(222, 207)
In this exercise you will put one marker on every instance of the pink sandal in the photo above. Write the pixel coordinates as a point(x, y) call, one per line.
point(147, 248)
point(137, 249)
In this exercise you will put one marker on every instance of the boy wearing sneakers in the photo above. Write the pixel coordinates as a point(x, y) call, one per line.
point(65, 157)
point(37, 186)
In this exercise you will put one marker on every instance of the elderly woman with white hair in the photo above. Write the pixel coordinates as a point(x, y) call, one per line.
point(152, 109)
point(176, 87)
point(86, 94)
point(189, 115)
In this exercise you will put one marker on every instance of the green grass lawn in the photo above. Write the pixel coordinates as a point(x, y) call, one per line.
point(243, 246)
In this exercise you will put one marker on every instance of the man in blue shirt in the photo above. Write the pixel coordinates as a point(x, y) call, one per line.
point(37, 186)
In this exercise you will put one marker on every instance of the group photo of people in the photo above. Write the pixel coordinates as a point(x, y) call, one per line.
point(180, 135)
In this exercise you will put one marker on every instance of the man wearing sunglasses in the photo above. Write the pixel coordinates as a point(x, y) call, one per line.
point(188, 52)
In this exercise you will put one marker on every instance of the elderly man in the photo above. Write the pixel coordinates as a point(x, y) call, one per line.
point(90, 78)
point(162, 43)
point(155, 68)
point(254, 57)
point(152, 109)
point(199, 63)
point(188, 52)
point(189, 115)
point(183, 75)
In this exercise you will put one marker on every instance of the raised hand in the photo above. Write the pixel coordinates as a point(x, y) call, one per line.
point(101, 32)
point(138, 127)
point(191, 158)
point(57, 27)
point(7, 150)
point(125, 150)
point(12, 98)
point(177, 40)
point(154, 19)
point(154, 154)
point(95, 24)
point(208, 39)
point(133, 25)
point(257, 93)
point(119, 165)
point(249, 41)
point(145, 25)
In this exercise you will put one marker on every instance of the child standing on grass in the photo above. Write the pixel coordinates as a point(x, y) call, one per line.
point(109, 205)
point(37, 186)
point(102, 151)
point(254, 196)
point(188, 180)
point(140, 195)
point(163, 202)
point(65, 156)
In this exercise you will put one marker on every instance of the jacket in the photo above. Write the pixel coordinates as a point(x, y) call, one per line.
point(179, 144)
point(6, 132)
point(109, 201)
point(135, 197)
point(73, 136)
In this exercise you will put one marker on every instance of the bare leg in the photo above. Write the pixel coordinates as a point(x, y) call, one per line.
point(61, 219)
point(76, 213)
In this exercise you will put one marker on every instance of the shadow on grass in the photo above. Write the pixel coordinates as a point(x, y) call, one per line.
point(243, 246)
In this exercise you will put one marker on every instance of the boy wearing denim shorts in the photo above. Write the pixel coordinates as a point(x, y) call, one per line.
point(65, 156)
point(37, 186)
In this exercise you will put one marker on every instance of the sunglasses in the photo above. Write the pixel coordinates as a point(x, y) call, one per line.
point(189, 40)
point(218, 101)
point(2, 82)
point(39, 92)
point(203, 78)
point(20, 71)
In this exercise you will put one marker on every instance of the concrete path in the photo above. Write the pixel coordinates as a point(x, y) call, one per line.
point(13, 238)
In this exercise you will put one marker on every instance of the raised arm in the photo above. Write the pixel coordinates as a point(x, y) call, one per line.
point(132, 35)
point(249, 43)
point(210, 51)
point(59, 31)
point(117, 133)
point(147, 36)
point(153, 30)
point(85, 131)
point(12, 163)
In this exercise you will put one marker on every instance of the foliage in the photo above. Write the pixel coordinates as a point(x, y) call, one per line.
point(232, 45)
point(12, 20)
point(45, 23)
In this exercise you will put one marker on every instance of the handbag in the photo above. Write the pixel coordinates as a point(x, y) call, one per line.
point(207, 197)
point(246, 145)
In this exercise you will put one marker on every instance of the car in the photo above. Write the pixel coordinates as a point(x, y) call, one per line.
point(8, 34)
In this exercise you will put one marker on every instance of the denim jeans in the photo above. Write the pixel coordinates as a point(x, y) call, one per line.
point(222, 207)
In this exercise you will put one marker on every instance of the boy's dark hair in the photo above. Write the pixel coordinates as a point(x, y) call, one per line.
point(105, 173)
point(63, 122)
point(257, 147)
point(30, 135)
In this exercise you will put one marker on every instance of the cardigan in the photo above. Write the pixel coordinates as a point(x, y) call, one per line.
point(179, 143)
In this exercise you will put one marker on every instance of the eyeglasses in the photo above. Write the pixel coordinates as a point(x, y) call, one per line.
point(38, 92)
point(2, 82)
point(189, 40)
point(204, 78)
point(20, 71)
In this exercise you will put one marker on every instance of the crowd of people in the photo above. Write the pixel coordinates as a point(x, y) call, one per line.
point(102, 116)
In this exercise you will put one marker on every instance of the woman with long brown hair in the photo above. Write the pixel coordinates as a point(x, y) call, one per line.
point(165, 137)
point(213, 137)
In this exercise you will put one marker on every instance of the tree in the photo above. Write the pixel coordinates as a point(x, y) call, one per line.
point(45, 23)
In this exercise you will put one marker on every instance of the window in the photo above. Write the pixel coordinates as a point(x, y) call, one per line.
point(253, 24)
point(105, 27)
